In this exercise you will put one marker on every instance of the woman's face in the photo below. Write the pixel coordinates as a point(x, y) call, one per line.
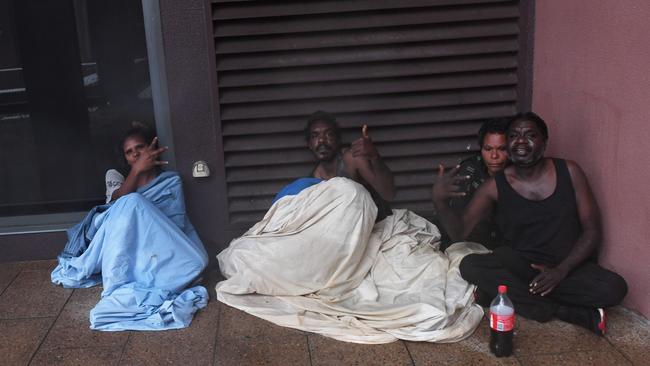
point(133, 147)
point(494, 152)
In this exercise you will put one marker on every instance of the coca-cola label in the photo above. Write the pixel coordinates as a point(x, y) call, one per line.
point(502, 323)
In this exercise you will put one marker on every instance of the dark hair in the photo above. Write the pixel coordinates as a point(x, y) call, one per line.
point(320, 116)
point(532, 117)
point(495, 125)
point(138, 129)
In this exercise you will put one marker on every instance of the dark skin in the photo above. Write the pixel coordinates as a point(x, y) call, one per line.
point(494, 152)
point(534, 178)
point(145, 166)
point(362, 161)
point(495, 157)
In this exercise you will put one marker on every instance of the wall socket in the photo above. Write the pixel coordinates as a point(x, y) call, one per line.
point(200, 169)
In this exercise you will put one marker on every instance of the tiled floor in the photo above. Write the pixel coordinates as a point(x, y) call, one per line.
point(41, 324)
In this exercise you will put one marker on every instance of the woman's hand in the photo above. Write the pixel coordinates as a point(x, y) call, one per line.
point(448, 185)
point(148, 159)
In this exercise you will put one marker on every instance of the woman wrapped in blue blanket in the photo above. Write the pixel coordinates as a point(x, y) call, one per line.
point(140, 245)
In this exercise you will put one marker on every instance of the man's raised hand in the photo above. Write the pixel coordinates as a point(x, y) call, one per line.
point(363, 146)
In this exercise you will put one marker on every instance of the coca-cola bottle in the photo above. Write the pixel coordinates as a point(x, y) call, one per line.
point(502, 323)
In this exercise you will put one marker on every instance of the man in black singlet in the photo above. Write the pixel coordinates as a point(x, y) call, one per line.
point(361, 162)
point(551, 224)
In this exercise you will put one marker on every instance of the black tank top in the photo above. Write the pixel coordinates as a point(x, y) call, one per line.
point(541, 231)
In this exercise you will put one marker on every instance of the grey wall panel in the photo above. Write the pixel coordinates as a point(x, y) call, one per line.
point(373, 18)
point(422, 74)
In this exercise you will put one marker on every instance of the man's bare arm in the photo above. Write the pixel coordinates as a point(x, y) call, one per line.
point(587, 243)
point(367, 163)
point(480, 207)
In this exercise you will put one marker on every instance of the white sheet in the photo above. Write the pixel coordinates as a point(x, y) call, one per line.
point(318, 262)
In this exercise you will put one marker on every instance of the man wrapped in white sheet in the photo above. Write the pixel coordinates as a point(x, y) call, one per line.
point(318, 262)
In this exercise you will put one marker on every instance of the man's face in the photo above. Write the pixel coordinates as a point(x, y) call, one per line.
point(323, 141)
point(526, 144)
point(494, 152)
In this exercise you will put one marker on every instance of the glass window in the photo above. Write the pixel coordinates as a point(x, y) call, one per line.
point(74, 75)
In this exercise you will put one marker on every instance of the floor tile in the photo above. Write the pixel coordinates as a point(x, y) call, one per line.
point(46, 265)
point(555, 336)
point(29, 297)
point(246, 340)
point(190, 346)
point(474, 350)
point(72, 328)
point(32, 294)
point(19, 339)
point(95, 356)
point(629, 333)
point(327, 351)
point(576, 359)
point(8, 272)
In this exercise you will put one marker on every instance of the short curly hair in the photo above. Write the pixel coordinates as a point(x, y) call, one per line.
point(495, 125)
point(532, 117)
point(321, 116)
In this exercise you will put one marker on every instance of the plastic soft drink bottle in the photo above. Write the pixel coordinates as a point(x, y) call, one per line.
point(502, 323)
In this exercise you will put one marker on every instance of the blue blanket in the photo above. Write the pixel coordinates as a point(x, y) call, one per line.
point(296, 187)
point(146, 252)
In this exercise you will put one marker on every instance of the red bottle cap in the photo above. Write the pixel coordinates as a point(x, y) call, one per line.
point(502, 289)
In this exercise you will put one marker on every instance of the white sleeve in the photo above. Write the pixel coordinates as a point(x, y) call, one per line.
point(114, 181)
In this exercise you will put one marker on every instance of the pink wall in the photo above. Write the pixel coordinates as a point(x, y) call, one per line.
point(592, 86)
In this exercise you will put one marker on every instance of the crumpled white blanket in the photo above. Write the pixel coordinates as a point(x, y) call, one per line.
point(319, 263)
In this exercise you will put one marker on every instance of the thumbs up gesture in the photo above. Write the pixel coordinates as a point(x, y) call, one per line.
point(364, 132)
point(363, 146)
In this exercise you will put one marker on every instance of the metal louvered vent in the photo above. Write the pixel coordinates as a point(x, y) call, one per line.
point(422, 74)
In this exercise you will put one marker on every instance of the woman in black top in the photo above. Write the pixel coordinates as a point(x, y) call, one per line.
point(492, 159)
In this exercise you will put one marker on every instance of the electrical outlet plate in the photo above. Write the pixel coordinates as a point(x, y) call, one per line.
point(200, 169)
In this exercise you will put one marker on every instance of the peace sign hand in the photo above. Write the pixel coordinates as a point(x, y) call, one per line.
point(148, 159)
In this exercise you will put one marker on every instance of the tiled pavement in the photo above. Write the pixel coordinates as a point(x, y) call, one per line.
point(41, 324)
